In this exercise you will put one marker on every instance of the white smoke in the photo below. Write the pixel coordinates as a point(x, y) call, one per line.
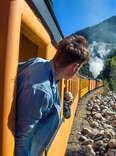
point(98, 51)
point(96, 66)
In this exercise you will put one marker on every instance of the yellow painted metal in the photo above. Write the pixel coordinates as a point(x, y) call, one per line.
point(84, 83)
point(61, 93)
point(67, 85)
point(83, 92)
point(34, 41)
point(75, 85)
point(10, 13)
point(34, 24)
point(43, 154)
point(99, 84)
point(44, 51)
point(38, 33)
point(32, 36)
point(27, 49)
point(59, 144)
point(70, 85)
point(50, 51)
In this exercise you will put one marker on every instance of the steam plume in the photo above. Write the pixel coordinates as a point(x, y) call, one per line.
point(98, 51)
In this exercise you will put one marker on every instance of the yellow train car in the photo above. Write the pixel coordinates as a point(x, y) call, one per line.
point(84, 86)
point(92, 84)
point(28, 29)
point(23, 35)
point(99, 83)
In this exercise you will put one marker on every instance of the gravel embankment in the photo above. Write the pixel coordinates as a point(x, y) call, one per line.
point(94, 127)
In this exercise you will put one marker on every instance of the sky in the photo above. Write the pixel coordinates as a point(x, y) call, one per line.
point(74, 15)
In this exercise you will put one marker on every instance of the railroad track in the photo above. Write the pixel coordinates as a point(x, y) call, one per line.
point(78, 123)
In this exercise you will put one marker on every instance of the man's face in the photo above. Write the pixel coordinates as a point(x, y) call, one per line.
point(70, 70)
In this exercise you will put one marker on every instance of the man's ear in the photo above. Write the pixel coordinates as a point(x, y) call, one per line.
point(75, 66)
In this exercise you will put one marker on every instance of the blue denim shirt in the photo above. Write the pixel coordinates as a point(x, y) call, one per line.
point(37, 105)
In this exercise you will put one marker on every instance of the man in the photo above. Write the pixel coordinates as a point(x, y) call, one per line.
point(38, 102)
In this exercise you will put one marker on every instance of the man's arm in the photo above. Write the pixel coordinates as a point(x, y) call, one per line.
point(32, 104)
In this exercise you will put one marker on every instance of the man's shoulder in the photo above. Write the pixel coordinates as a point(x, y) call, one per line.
point(30, 62)
point(44, 88)
point(34, 71)
point(35, 68)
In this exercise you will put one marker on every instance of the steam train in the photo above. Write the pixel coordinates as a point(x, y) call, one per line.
point(28, 29)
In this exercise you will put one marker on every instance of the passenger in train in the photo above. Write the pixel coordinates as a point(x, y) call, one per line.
point(68, 99)
point(37, 99)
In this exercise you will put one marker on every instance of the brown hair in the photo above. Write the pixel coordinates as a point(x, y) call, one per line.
point(71, 49)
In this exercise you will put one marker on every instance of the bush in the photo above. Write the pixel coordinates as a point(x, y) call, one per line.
point(106, 88)
point(112, 85)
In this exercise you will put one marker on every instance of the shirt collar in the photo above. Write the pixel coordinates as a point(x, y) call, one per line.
point(52, 69)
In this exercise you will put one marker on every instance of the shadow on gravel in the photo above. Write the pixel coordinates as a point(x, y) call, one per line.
point(75, 153)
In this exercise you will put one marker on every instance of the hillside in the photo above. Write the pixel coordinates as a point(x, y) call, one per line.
point(102, 32)
point(102, 47)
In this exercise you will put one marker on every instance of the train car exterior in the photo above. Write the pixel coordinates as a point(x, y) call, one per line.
point(23, 35)
point(29, 29)
point(99, 83)
point(84, 87)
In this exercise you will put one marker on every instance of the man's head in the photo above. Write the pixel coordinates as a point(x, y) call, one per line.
point(71, 55)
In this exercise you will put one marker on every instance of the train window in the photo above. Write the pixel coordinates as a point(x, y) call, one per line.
point(31, 45)
point(27, 49)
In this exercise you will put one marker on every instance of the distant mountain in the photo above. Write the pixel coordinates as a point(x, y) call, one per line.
point(102, 32)
point(102, 44)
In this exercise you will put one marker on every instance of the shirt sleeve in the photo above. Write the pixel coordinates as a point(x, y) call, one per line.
point(42, 101)
point(32, 103)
